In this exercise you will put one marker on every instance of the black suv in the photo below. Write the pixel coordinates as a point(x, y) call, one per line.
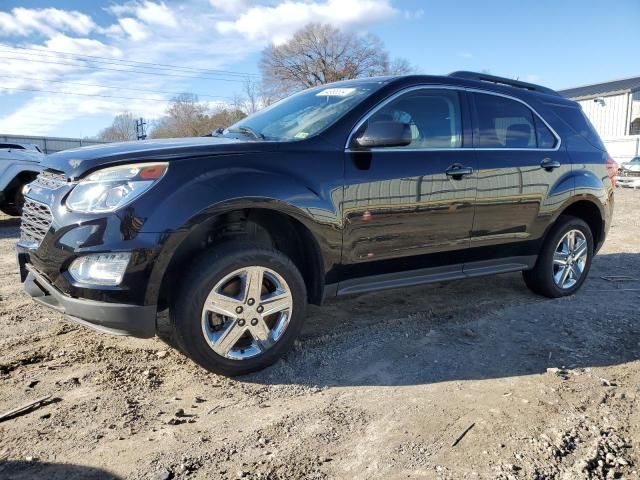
point(346, 188)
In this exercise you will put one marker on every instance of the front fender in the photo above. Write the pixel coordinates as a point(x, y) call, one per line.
point(311, 202)
point(16, 168)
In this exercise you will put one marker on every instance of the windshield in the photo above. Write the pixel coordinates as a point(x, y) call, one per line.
point(304, 114)
point(635, 161)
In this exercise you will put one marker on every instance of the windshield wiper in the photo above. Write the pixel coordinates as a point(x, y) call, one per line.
point(247, 131)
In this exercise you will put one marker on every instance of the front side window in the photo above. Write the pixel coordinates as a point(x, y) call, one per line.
point(433, 115)
point(304, 114)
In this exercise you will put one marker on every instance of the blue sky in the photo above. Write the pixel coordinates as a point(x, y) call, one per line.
point(557, 43)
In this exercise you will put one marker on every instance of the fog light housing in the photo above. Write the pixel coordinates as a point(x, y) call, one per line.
point(100, 269)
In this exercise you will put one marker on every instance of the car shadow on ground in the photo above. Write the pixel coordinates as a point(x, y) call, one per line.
point(467, 330)
point(9, 227)
point(34, 470)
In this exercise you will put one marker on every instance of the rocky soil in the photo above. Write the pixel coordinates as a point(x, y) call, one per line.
point(380, 385)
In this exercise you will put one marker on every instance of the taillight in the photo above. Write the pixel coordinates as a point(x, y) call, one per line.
point(612, 170)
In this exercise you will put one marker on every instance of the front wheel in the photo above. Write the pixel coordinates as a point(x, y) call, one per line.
point(14, 208)
point(239, 309)
point(564, 261)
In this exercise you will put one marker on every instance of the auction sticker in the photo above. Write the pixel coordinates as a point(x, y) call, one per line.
point(336, 92)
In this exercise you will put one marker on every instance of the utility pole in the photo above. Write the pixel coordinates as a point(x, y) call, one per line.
point(140, 129)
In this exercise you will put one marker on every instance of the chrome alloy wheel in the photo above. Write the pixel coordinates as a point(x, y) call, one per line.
point(570, 259)
point(246, 312)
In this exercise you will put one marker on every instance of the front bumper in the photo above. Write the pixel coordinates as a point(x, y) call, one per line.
point(114, 318)
point(631, 182)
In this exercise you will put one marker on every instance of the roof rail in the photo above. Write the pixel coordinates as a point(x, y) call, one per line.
point(503, 81)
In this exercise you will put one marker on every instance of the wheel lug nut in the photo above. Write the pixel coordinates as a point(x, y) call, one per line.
point(254, 321)
point(241, 322)
point(251, 301)
point(260, 309)
point(238, 309)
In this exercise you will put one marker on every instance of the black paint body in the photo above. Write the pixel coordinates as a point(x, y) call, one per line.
point(368, 213)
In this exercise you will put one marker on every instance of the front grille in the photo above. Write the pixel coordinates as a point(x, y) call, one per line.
point(51, 180)
point(629, 173)
point(36, 220)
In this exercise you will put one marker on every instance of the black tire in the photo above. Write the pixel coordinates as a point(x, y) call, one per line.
point(541, 278)
point(207, 270)
point(14, 208)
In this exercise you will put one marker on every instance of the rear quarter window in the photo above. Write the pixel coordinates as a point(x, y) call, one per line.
point(575, 118)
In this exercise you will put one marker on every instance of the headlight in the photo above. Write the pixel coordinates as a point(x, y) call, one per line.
point(111, 188)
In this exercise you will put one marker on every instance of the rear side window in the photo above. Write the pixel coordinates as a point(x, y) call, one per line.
point(577, 120)
point(546, 139)
point(505, 123)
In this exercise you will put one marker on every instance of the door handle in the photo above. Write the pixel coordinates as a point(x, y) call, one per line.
point(549, 164)
point(457, 171)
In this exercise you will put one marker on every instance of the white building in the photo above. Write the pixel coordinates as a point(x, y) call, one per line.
point(614, 110)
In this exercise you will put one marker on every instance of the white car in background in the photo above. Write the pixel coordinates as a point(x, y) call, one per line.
point(19, 165)
point(629, 174)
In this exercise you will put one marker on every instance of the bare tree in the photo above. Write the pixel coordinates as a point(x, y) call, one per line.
point(122, 129)
point(319, 54)
point(186, 116)
point(252, 96)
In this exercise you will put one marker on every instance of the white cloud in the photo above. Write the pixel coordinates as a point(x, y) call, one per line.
point(81, 46)
point(278, 23)
point(136, 30)
point(151, 13)
point(157, 14)
point(230, 6)
point(187, 34)
point(46, 21)
point(44, 112)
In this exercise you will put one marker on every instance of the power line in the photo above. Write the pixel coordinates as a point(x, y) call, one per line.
point(237, 80)
point(111, 86)
point(42, 52)
point(86, 94)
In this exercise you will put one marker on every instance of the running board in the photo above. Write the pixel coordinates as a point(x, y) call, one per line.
point(436, 274)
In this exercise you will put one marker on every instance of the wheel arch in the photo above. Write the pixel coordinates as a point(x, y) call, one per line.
point(590, 210)
point(16, 177)
point(273, 223)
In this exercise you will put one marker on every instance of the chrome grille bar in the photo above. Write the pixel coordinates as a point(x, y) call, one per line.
point(36, 220)
point(51, 180)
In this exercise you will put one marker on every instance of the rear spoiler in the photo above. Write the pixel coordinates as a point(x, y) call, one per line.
point(483, 77)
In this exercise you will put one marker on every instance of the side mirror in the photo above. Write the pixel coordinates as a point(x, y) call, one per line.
point(385, 134)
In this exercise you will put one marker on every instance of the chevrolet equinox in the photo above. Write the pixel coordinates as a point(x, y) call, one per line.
point(345, 188)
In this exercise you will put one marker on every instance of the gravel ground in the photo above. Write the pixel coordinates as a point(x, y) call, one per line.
point(379, 386)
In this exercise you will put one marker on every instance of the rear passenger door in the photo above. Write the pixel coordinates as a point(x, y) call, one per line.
point(520, 165)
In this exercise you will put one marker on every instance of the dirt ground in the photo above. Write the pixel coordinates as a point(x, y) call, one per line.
point(379, 386)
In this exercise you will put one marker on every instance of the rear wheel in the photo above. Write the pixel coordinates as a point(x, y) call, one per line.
point(239, 309)
point(564, 261)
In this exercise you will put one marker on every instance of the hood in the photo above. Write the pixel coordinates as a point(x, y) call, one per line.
point(74, 163)
point(632, 167)
point(19, 155)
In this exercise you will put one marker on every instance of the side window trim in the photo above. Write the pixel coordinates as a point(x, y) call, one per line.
point(468, 112)
point(536, 115)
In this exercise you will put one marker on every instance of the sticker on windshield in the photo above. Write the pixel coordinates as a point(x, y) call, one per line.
point(336, 92)
point(301, 135)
